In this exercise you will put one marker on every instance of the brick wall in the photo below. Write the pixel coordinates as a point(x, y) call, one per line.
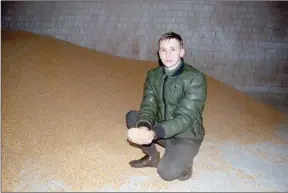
point(243, 44)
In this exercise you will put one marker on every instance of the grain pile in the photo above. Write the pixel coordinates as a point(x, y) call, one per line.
point(63, 110)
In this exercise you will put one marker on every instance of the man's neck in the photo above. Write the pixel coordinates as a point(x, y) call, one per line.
point(174, 67)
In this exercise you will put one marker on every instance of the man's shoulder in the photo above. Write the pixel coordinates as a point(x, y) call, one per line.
point(155, 71)
point(191, 70)
point(193, 75)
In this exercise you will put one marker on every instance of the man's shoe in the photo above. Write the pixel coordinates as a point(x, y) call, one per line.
point(186, 174)
point(146, 161)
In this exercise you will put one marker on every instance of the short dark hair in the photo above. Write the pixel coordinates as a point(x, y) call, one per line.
point(170, 35)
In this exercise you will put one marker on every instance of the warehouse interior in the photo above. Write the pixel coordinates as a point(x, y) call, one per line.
point(72, 70)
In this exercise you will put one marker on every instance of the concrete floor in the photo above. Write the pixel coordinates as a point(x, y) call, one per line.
point(63, 126)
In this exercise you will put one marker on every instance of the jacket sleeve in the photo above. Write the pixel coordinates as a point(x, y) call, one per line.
point(148, 107)
point(187, 111)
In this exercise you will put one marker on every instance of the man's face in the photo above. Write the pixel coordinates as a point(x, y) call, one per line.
point(170, 52)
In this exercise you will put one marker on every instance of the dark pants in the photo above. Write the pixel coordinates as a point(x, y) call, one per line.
point(179, 152)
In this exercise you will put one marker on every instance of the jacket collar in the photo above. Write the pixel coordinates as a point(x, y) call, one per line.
point(174, 72)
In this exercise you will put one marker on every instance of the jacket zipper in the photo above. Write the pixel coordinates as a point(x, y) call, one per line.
point(163, 96)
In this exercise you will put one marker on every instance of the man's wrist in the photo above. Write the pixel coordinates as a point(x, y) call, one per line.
point(144, 124)
point(159, 131)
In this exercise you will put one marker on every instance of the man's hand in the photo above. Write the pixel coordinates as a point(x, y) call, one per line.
point(147, 136)
point(141, 135)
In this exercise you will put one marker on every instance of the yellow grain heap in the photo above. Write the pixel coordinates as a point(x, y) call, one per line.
point(63, 117)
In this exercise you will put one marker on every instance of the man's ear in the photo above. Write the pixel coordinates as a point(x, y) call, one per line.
point(182, 52)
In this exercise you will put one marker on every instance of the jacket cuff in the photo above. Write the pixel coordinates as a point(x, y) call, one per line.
point(144, 124)
point(159, 131)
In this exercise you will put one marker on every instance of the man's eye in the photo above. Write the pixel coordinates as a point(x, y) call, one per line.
point(173, 49)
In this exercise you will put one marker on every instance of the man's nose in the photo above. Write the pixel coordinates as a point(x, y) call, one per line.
point(168, 53)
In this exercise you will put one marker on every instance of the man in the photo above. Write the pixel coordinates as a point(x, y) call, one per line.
point(170, 113)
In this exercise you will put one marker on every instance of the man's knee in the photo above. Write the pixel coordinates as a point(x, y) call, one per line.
point(168, 173)
point(132, 118)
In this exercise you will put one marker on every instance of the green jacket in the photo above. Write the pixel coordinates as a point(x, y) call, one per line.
point(173, 102)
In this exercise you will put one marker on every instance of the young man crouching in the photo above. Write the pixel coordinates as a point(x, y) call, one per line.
point(170, 113)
